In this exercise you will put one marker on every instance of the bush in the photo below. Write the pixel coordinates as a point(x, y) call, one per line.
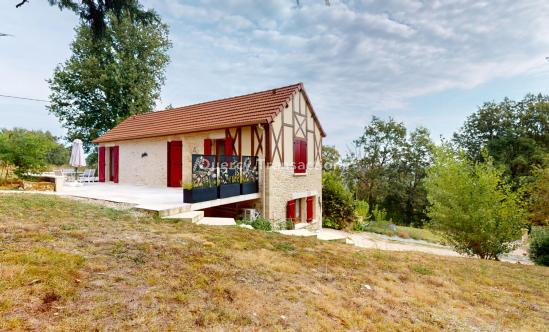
point(262, 224)
point(361, 209)
point(472, 206)
point(376, 222)
point(27, 151)
point(539, 246)
point(338, 206)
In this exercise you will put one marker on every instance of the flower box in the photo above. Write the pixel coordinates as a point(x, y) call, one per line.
point(249, 188)
point(196, 195)
point(229, 190)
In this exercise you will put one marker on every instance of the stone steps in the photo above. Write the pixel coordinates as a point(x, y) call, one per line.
point(214, 221)
point(192, 216)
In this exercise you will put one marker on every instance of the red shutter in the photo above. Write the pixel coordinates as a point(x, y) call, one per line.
point(101, 164)
point(228, 146)
point(303, 153)
point(310, 201)
point(300, 156)
point(207, 146)
point(175, 163)
point(290, 210)
point(115, 161)
point(296, 156)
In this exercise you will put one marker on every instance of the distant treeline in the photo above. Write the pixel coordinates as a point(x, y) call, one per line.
point(389, 164)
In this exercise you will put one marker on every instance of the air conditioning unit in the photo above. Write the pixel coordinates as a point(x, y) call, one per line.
point(251, 214)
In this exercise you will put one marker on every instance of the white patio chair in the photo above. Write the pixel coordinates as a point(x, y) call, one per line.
point(87, 176)
point(69, 174)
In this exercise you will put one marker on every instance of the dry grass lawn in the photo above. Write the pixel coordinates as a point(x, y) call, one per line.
point(76, 266)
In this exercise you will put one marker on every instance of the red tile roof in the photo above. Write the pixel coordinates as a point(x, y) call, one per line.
point(250, 109)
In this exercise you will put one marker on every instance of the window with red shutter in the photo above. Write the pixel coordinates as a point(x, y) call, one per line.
point(300, 155)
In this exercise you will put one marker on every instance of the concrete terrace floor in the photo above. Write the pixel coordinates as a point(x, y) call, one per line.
point(143, 197)
point(147, 198)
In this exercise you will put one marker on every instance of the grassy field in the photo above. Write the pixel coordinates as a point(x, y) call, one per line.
point(75, 266)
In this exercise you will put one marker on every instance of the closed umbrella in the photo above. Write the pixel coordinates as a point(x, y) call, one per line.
point(77, 155)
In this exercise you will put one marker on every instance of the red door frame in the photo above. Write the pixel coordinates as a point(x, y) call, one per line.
point(175, 163)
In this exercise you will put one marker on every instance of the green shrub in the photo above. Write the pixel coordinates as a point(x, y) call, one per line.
point(282, 224)
point(361, 208)
point(539, 246)
point(338, 206)
point(330, 223)
point(262, 224)
point(379, 217)
point(376, 222)
point(472, 206)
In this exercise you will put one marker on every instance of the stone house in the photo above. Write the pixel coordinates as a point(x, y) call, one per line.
point(261, 149)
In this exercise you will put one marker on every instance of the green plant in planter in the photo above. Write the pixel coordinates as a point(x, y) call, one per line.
point(187, 186)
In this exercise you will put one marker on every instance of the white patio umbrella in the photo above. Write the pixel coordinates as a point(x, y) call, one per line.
point(77, 155)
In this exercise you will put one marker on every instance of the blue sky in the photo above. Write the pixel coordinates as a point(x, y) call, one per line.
point(427, 63)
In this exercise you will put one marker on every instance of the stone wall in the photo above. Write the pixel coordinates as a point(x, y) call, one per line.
point(283, 185)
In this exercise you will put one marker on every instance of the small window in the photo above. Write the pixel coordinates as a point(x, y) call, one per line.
point(300, 155)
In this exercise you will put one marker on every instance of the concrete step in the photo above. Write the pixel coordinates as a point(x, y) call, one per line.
point(164, 210)
point(298, 232)
point(192, 216)
point(326, 234)
point(301, 225)
point(214, 221)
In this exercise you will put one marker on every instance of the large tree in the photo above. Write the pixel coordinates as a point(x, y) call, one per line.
point(515, 134)
point(388, 167)
point(109, 79)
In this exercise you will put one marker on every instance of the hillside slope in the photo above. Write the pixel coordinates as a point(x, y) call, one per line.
point(73, 265)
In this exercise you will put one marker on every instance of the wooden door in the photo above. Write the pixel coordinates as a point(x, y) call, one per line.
point(101, 164)
point(175, 163)
point(111, 164)
point(115, 167)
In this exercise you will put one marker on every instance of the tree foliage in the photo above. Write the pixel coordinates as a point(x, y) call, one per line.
point(27, 151)
point(472, 205)
point(95, 13)
point(388, 168)
point(538, 190)
point(338, 208)
point(330, 156)
point(515, 134)
point(107, 80)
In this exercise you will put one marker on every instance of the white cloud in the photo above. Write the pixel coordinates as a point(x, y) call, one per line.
point(356, 58)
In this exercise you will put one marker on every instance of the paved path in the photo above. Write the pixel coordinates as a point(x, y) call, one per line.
point(383, 242)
